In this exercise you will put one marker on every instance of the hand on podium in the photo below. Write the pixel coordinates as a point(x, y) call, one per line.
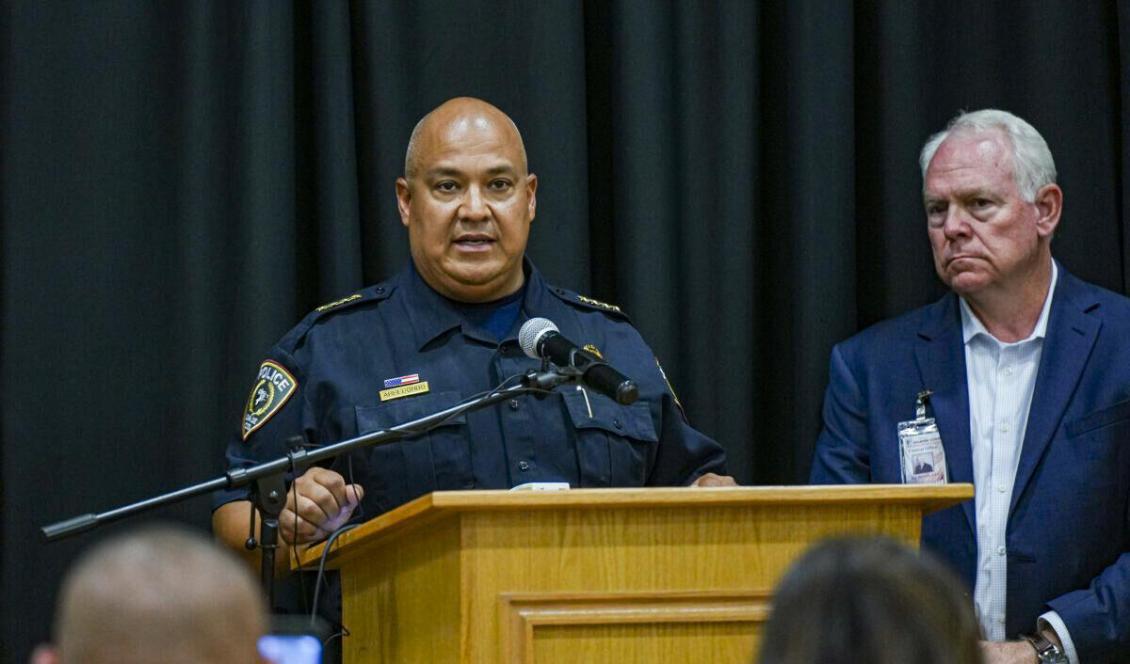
point(319, 503)
point(713, 479)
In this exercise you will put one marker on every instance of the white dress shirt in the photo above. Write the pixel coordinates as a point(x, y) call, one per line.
point(1001, 379)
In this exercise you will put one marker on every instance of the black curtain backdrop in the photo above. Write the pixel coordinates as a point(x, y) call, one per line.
point(182, 181)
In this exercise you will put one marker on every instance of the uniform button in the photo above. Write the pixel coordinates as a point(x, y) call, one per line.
point(523, 465)
point(514, 405)
point(616, 423)
point(1000, 488)
point(1008, 371)
point(1004, 427)
point(380, 289)
point(1000, 550)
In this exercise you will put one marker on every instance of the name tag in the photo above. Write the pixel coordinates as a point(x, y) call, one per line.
point(404, 391)
point(921, 453)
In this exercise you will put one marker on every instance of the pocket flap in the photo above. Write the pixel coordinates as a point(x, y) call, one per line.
point(1099, 418)
point(593, 411)
point(400, 411)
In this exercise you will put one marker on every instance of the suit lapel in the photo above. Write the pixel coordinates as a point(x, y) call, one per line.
point(940, 352)
point(1070, 336)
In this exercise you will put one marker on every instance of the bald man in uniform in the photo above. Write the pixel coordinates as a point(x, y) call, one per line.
point(443, 330)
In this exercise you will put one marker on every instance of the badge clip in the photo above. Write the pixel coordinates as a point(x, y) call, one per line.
point(920, 403)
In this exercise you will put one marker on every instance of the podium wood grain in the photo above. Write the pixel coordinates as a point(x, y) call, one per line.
point(594, 575)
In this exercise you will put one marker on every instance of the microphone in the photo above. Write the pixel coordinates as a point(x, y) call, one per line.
point(540, 339)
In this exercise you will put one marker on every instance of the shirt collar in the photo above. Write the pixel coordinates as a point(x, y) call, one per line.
point(971, 326)
point(431, 314)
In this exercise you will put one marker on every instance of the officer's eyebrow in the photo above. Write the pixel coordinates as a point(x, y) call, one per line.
point(442, 171)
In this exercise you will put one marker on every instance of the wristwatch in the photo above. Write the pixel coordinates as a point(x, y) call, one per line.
point(1046, 651)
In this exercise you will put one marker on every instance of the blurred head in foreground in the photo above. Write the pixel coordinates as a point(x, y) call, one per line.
point(869, 600)
point(157, 595)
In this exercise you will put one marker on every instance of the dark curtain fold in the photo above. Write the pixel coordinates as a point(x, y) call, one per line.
point(181, 181)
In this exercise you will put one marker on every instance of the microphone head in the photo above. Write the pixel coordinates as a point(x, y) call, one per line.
point(531, 333)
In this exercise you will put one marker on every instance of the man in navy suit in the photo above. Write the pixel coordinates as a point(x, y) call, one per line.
point(1028, 370)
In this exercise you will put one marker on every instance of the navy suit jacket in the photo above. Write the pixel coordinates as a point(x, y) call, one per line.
point(1068, 533)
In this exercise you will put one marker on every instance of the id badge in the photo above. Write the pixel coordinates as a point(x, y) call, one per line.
point(921, 455)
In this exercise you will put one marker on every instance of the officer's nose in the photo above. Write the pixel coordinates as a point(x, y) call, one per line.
point(474, 207)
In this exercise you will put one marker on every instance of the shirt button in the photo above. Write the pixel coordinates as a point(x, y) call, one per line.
point(616, 423)
point(523, 465)
point(513, 404)
point(1000, 550)
point(1008, 371)
point(1004, 427)
point(1000, 488)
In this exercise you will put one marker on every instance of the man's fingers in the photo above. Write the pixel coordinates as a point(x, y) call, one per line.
point(712, 479)
point(318, 503)
point(324, 487)
point(311, 499)
point(296, 530)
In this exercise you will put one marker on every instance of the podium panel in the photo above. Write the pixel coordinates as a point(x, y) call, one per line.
point(594, 575)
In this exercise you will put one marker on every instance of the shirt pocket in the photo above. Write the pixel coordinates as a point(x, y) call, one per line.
point(434, 461)
point(616, 444)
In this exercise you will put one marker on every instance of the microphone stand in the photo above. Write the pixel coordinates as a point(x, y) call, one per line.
point(269, 486)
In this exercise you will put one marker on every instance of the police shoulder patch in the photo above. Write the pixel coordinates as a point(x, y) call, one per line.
point(274, 385)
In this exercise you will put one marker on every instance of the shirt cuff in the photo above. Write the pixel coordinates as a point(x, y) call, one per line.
point(1052, 620)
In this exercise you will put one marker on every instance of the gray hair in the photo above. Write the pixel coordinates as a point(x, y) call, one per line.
point(1032, 163)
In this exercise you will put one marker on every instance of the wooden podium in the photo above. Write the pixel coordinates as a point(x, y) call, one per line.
point(594, 575)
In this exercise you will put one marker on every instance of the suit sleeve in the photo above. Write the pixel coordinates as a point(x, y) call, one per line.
point(1098, 618)
point(842, 453)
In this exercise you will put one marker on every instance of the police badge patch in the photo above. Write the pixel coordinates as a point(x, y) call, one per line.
point(273, 387)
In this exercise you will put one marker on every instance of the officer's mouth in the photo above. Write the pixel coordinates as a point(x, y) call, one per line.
point(474, 242)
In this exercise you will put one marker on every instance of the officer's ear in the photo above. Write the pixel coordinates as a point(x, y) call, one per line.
point(403, 199)
point(532, 193)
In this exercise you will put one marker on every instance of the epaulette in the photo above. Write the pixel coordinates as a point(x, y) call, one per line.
point(367, 295)
point(374, 293)
point(589, 303)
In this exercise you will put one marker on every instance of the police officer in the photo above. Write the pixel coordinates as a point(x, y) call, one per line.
point(445, 329)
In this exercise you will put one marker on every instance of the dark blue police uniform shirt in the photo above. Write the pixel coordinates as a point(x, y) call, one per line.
point(339, 358)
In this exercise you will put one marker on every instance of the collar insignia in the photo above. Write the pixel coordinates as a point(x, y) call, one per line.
point(273, 387)
point(594, 350)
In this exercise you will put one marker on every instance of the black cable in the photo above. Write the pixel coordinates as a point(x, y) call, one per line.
point(296, 561)
point(322, 567)
point(342, 633)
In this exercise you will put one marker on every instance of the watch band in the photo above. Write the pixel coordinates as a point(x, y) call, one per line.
point(1046, 651)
